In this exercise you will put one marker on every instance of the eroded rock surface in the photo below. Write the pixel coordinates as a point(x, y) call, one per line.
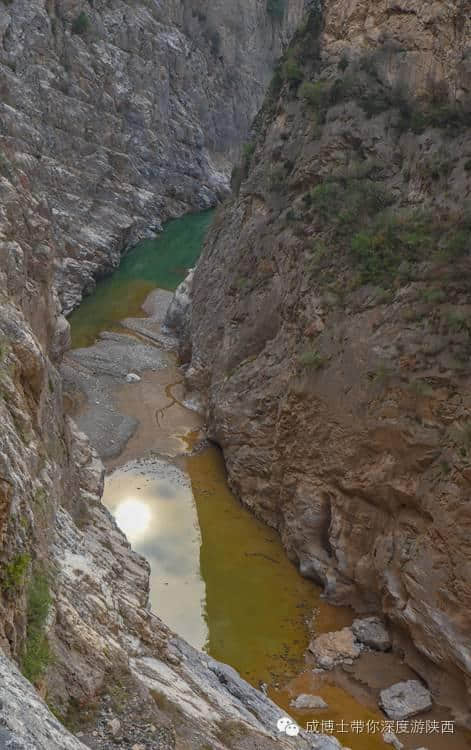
point(113, 118)
point(122, 115)
point(26, 721)
point(330, 321)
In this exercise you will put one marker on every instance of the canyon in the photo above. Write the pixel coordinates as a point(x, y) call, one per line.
point(99, 146)
point(329, 320)
point(326, 325)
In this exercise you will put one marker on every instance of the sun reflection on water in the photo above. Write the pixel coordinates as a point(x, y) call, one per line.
point(133, 518)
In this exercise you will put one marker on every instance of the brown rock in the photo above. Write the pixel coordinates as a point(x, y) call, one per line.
point(330, 649)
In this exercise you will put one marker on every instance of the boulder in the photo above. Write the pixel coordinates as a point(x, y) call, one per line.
point(371, 632)
point(305, 701)
point(330, 649)
point(405, 699)
point(180, 306)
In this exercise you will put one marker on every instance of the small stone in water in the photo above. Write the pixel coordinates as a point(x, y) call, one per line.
point(131, 377)
point(308, 701)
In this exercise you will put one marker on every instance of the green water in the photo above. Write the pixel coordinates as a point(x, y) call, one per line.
point(219, 577)
point(238, 596)
point(161, 262)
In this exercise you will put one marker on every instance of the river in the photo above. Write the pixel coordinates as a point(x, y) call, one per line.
point(219, 577)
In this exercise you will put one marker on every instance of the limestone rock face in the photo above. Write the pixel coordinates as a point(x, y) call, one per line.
point(113, 118)
point(179, 310)
point(120, 115)
point(67, 568)
point(26, 721)
point(330, 319)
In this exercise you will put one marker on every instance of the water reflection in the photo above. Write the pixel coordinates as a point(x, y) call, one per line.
point(153, 504)
point(133, 517)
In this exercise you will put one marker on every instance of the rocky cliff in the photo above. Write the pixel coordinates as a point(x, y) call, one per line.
point(122, 115)
point(113, 117)
point(330, 320)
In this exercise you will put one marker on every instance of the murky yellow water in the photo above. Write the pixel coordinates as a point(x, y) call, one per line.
point(336, 720)
point(258, 606)
point(220, 578)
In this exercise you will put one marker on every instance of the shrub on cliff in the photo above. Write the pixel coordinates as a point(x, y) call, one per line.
point(36, 654)
point(315, 94)
point(343, 205)
point(292, 73)
point(392, 243)
point(14, 572)
point(80, 24)
point(311, 359)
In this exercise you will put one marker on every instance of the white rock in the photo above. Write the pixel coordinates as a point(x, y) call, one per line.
point(308, 701)
point(334, 648)
point(131, 377)
point(405, 699)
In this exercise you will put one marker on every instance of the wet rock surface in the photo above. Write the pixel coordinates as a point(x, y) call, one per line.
point(97, 371)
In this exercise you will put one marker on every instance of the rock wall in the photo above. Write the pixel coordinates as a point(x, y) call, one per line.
point(114, 116)
point(330, 320)
point(121, 115)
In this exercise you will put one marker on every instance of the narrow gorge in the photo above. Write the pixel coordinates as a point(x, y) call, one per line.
point(318, 156)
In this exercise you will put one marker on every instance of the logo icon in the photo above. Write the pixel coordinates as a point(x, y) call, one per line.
point(287, 725)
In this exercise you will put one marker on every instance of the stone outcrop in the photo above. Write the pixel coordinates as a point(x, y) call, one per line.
point(114, 117)
point(73, 595)
point(330, 320)
point(120, 115)
point(26, 722)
